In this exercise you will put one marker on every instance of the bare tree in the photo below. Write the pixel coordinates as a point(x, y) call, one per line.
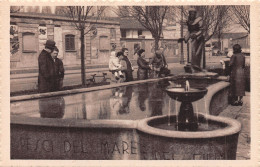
point(150, 17)
point(80, 16)
point(216, 20)
point(242, 16)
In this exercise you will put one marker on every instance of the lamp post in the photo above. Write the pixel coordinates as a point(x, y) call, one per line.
point(182, 55)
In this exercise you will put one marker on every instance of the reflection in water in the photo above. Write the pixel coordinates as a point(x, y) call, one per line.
point(125, 103)
point(84, 110)
point(142, 96)
point(52, 107)
point(119, 101)
point(127, 96)
point(156, 99)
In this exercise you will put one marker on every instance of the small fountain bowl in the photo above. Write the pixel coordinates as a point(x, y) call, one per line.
point(181, 95)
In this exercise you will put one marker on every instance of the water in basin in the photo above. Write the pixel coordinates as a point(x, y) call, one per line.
point(126, 103)
point(203, 124)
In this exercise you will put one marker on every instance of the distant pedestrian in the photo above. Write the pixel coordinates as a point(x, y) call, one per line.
point(50, 69)
point(129, 70)
point(237, 77)
point(143, 65)
point(115, 66)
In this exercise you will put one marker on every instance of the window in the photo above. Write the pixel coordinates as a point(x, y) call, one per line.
point(70, 42)
point(29, 42)
point(140, 32)
point(104, 43)
point(113, 33)
point(123, 33)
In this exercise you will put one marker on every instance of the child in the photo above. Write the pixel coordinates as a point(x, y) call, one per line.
point(115, 66)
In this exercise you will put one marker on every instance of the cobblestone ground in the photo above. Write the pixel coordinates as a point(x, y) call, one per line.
point(242, 114)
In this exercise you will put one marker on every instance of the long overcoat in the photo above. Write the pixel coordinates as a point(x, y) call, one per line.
point(237, 77)
point(143, 67)
point(129, 71)
point(50, 73)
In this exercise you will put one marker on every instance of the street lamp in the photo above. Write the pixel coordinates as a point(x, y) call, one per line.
point(182, 55)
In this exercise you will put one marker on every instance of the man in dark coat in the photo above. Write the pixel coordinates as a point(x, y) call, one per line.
point(58, 70)
point(129, 71)
point(47, 79)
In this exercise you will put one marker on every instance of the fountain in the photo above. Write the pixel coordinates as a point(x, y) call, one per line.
point(186, 118)
point(187, 135)
point(100, 124)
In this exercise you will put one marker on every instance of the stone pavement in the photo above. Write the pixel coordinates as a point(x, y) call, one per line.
point(241, 114)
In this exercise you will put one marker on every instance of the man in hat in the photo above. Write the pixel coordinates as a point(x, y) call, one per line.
point(129, 71)
point(47, 77)
point(194, 33)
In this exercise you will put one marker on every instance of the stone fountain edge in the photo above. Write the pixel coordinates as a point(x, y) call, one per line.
point(81, 90)
point(233, 128)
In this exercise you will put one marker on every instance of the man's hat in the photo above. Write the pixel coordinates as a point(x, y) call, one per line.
point(192, 10)
point(50, 44)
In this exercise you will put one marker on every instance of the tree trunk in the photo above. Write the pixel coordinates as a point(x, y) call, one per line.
point(204, 55)
point(182, 53)
point(82, 55)
point(156, 43)
point(219, 42)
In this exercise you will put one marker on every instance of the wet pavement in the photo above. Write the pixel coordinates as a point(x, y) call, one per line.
point(242, 114)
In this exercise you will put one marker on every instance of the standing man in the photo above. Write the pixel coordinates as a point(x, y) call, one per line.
point(47, 76)
point(163, 57)
point(58, 70)
point(129, 70)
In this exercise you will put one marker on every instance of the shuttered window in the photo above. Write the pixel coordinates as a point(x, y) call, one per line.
point(113, 33)
point(104, 43)
point(29, 42)
point(70, 42)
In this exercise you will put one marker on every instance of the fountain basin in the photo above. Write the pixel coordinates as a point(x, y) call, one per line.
point(219, 143)
point(98, 135)
point(181, 95)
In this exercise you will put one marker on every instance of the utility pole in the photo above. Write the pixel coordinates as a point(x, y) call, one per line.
point(182, 54)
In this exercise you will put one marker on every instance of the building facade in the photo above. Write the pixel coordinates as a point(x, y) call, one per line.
point(30, 27)
point(28, 34)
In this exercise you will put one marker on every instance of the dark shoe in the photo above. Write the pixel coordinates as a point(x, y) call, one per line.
point(240, 103)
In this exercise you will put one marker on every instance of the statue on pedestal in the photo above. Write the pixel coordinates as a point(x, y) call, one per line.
point(194, 34)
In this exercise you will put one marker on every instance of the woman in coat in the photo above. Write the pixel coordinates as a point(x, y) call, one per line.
point(237, 77)
point(143, 65)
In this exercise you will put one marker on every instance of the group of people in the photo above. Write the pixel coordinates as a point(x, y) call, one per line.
point(51, 69)
point(122, 69)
